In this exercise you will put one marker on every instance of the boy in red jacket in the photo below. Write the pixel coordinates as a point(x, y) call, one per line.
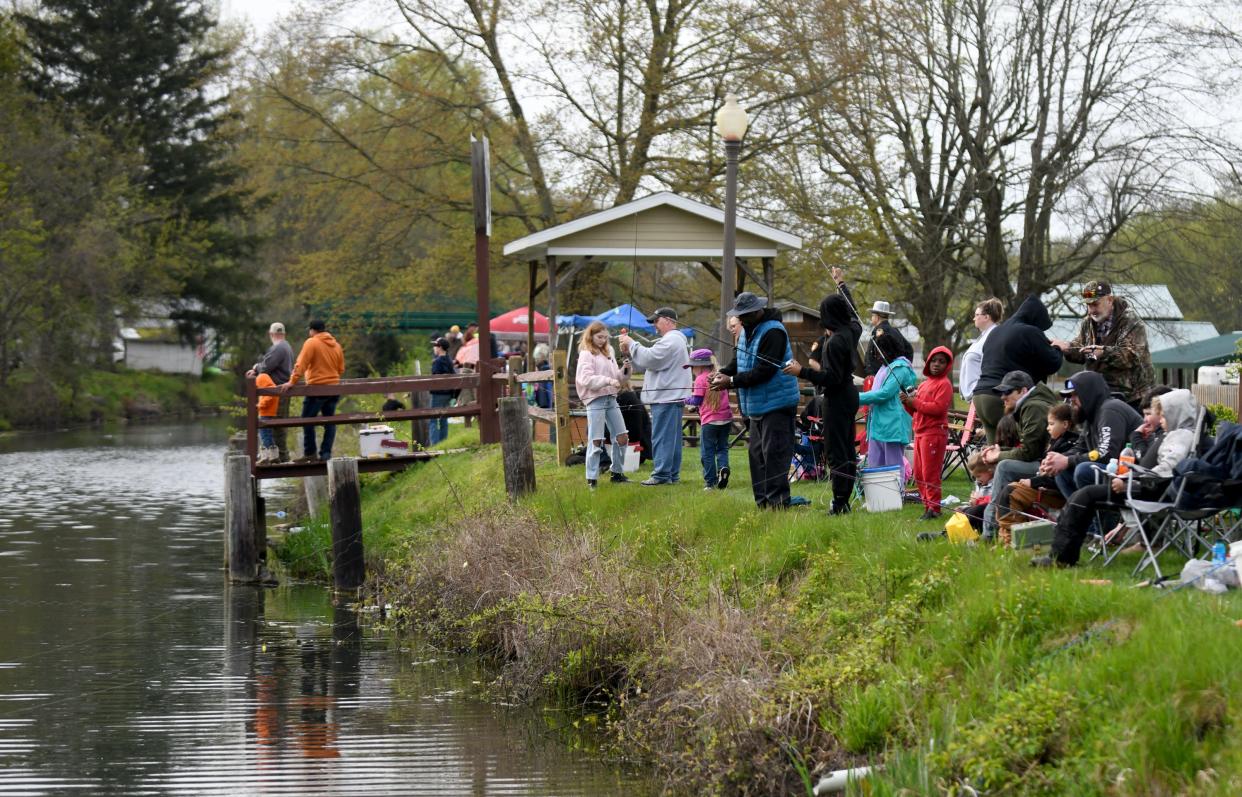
point(930, 407)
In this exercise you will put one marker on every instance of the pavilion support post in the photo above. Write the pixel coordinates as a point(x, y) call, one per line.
point(769, 278)
point(552, 309)
point(530, 312)
point(560, 399)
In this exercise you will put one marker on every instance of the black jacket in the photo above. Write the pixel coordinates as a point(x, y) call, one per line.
point(1018, 344)
point(1107, 422)
point(1062, 445)
point(770, 353)
point(837, 351)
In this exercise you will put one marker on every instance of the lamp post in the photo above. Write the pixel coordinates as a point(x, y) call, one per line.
point(731, 123)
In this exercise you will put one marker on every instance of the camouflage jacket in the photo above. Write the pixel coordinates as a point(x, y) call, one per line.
point(1125, 362)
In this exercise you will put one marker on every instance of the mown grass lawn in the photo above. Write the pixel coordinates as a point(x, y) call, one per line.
point(955, 667)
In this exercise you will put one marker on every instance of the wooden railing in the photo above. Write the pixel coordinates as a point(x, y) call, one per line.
point(416, 387)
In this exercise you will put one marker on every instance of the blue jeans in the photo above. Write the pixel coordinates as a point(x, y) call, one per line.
point(604, 412)
point(318, 405)
point(1007, 472)
point(1071, 480)
point(713, 450)
point(438, 428)
point(666, 441)
point(267, 437)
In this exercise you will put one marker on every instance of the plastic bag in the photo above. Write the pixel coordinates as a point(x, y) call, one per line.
point(959, 530)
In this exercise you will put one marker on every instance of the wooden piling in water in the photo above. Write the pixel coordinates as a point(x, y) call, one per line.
point(345, 508)
point(515, 446)
point(240, 527)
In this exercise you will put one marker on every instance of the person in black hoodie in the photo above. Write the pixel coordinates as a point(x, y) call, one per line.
point(1017, 344)
point(1105, 426)
point(834, 379)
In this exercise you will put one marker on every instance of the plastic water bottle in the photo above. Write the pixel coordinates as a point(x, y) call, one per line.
point(1112, 467)
point(1219, 552)
point(1126, 460)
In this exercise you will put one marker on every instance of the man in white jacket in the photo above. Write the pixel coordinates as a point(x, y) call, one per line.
point(666, 386)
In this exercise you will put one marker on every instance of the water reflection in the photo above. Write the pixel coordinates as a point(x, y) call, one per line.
point(127, 666)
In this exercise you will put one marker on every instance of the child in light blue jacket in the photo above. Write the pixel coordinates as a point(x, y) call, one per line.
point(889, 427)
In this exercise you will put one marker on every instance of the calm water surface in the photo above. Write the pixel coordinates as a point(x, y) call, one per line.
point(128, 666)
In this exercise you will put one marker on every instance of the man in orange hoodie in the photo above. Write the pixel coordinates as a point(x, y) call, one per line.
point(930, 405)
point(321, 362)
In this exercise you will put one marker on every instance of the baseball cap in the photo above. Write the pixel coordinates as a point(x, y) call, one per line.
point(699, 357)
point(1069, 388)
point(1094, 289)
point(662, 312)
point(1014, 380)
point(276, 327)
point(442, 342)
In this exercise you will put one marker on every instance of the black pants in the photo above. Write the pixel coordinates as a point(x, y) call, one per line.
point(770, 451)
point(842, 407)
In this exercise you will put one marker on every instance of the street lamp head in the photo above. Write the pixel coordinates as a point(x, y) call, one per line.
point(731, 120)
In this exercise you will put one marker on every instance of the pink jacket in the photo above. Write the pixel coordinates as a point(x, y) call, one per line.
point(597, 375)
point(723, 412)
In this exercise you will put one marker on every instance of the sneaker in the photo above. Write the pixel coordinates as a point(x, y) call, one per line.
point(1047, 561)
point(931, 514)
point(723, 479)
point(591, 483)
point(651, 482)
point(842, 508)
point(709, 489)
point(798, 500)
point(931, 536)
point(619, 478)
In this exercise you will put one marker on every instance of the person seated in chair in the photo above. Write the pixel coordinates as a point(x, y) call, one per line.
point(1177, 410)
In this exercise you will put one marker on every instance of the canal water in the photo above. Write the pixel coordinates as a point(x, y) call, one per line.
point(128, 666)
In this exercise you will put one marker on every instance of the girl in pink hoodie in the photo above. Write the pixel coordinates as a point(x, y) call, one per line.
point(598, 380)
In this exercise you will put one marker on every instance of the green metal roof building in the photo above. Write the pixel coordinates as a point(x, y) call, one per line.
point(1179, 366)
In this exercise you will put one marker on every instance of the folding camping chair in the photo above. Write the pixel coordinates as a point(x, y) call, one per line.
point(958, 451)
point(1167, 523)
point(810, 459)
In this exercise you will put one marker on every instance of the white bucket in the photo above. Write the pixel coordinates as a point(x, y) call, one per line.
point(881, 488)
point(632, 456)
point(370, 438)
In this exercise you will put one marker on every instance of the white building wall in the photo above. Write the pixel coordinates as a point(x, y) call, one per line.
point(169, 358)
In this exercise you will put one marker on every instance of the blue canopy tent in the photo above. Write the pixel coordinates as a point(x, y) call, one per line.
point(628, 316)
point(574, 322)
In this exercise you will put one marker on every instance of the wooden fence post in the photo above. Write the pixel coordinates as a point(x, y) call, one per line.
point(515, 446)
point(345, 507)
point(239, 519)
point(420, 428)
point(515, 368)
point(560, 393)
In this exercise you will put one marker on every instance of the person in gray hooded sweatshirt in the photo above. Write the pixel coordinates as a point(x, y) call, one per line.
point(1179, 410)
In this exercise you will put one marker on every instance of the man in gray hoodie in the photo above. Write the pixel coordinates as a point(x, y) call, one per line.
point(666, 386)
point(277, 363)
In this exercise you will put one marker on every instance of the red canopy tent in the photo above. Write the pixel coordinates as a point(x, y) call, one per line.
point(514, 324)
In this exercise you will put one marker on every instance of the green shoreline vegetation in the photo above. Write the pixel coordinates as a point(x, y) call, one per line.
point(740, 652)
point(104, 396)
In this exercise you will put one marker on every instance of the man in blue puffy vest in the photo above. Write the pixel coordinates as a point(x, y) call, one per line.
point(767, 396)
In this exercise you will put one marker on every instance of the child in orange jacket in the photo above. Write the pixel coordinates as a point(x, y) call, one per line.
point(268, 452)
point(930, 405)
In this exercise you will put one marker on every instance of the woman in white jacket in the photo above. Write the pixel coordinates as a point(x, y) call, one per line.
point(598, 380)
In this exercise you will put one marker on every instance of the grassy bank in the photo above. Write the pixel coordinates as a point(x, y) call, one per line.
point(102, 396)
point(747, 652)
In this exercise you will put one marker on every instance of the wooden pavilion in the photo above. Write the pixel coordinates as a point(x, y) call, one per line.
point(660, 227)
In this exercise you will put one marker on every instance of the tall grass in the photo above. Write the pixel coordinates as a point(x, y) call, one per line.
point(739, 650)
